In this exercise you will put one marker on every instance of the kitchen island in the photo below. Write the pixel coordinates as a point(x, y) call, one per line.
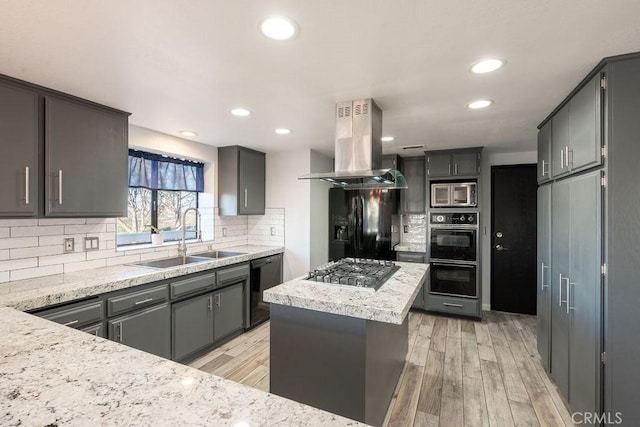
point(342, 348)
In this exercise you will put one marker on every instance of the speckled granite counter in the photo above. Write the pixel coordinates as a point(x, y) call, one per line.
point(410, 247)
point(54, 375)
point(44, 291)
point(388, 304)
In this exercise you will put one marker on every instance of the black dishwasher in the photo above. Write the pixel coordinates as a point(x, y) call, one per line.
point(265, 273)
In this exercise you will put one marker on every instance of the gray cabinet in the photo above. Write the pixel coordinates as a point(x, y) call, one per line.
point(544, 153)
point(413, 197)
point(97, 329)
point(576, 130)
point(86, 160)
point(147, 330)
point(192, 322)
point(543, 314)
point(19, 169)
point(228, 311)
point(448, 163)
point(390, 161)
point(83, 315)
point(241, 181)
point(420, 301)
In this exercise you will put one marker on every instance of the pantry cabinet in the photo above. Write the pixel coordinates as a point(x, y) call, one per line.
point(543, 314)
point(544, 153)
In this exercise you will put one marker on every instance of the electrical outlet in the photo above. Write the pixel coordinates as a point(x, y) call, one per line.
point(273, 231)
point(69, 245)
point(406, 228)
point(224, 231)
point(210, 248)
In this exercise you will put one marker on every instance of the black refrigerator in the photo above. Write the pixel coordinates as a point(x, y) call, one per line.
point(363, 223)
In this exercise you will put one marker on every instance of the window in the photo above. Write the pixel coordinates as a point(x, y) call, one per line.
point(160, 190)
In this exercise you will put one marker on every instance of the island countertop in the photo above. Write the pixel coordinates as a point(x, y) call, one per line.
point(54, 375)
point(389, 304)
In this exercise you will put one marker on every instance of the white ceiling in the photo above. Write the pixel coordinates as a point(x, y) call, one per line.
point(184, 64)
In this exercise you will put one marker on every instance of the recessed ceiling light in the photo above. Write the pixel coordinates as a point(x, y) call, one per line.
point(188, 133)
point(387, 139)
point(283, 131)
point(278, 27)
point(480, 103)
point(240, 112)
point(486, 66)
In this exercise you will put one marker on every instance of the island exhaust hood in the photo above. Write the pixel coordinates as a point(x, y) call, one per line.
point(358, 150)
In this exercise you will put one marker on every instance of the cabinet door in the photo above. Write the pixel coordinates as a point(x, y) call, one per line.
point(585, 118)
point(584, 297)
point(228, 310)
point(252, 187)
point(413, 198)
point(97, 330)
point(390, 161)
point(439, 164)
point(559, 141)
point(465, 163)
point(86, 160)
point(192, 325)
point(147, 330)
point(19, 160)
point(544, 151)
point(543, 314)
point(560, 246)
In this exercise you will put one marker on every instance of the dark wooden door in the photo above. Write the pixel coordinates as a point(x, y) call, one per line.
point(513, 239)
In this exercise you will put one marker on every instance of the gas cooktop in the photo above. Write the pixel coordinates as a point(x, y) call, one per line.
point(364, 273)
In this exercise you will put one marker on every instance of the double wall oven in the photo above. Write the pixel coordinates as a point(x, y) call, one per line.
point(453, 240)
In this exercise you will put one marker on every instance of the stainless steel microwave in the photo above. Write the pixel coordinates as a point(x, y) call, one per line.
point(458, 194)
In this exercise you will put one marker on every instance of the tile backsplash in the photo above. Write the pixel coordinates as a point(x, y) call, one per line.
point(34, 247)
point(416, 226)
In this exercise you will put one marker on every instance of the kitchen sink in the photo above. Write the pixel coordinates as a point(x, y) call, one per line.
point(172, 262)
point(220, 254)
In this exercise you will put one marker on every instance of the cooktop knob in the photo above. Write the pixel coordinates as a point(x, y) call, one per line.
point(440, 218)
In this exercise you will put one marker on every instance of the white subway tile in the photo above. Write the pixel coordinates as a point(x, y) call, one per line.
point(35, 272)
point(88, 228)
point(4, 232)
point(84, 265)
point(154, 255)
point(106, 253)
point(18, 222)
point(4, 277)
point(37, 231)
point(35, 251)
point(58, 239)
point(19, 242)
point(101, 220)
point(123, 260)
point(61, 221)
point(111, 228)
point(4, 254)
point(61, 259)
point(18, 264)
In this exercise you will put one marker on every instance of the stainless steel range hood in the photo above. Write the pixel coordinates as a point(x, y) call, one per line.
point(358, 150)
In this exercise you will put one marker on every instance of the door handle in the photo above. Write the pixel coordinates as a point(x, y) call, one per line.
point(60, 187)
point(568, 295)
point(542, 267)
point(501, 248)
point(246, 197)
point(560, 290)
point(217, 300)
point(26, 185)
point(545, 172)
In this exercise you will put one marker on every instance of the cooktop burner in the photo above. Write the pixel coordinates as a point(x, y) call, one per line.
point(365, 273)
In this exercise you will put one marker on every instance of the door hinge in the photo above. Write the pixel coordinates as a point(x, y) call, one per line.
point(603, 181)
point(603, 269)
point(603, 151)
point(603, 82)
point(603, 357)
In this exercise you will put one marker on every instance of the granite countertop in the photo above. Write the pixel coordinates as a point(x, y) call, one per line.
point(54, 375)
point(389, 304)
point(410, 247)
point(40, 292)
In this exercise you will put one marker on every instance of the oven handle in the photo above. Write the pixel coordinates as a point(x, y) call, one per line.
point(454, 265)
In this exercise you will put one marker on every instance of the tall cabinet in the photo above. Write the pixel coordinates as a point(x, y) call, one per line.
point(588, 233)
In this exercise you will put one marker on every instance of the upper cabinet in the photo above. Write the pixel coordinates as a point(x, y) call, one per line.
point(544, 153)
point(241, 181)
point(61, 156)
point(450, 163)
point(86, 160)
point(576, 130)
point(390, 161)
point(19, 161)
point(413, 197)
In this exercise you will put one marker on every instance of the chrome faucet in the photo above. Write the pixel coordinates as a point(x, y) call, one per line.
point(182, 247)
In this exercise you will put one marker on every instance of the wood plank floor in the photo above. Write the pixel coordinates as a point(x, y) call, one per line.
point(458, 372)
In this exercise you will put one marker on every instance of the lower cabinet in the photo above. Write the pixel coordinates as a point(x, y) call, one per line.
point(147, 330)
point(420, 301)
point(228, 313)
point(98, 330)
point(192, 325)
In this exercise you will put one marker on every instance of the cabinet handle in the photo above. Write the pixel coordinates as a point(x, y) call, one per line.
point(455, 169)
point(569, 158)
point(121, 327)
point(217, 300)
point(560, 291)
point(542, 267)
point(60, 187)
point(26, 185)
point(568, 296)
point(562, 159)
point(246, 197)
point(449, 169)
point(210, 303)
point(143, 301)
point(73, 322)
point(448, 304)
point(544, 171)
point(96, 332)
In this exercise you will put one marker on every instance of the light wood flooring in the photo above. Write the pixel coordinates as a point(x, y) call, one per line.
point(458, 372)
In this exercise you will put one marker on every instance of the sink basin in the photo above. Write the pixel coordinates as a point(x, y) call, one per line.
point(172, 262)
point(220, 254)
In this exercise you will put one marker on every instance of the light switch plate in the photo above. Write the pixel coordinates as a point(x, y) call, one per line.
point(273, 231)
point(224, 231)
point(68, 245)
point(91, 243)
